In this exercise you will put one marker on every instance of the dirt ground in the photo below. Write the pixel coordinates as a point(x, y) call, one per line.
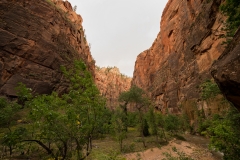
point(196, 152)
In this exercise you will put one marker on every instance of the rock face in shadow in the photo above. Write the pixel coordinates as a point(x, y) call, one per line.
point(111, 83)
point(179, 60)
point(226, 71)
point(36, 38)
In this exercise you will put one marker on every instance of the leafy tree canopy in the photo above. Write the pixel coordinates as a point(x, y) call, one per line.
point(62, 126)
point(231, 8)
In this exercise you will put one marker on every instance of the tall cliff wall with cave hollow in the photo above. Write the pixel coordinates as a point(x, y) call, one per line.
point(226, 71)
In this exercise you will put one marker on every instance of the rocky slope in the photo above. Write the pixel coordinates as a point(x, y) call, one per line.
point(226, 71)
point(111, 83)
point(36, 37)
point(178, 61)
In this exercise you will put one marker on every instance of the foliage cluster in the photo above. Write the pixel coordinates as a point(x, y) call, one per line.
point(108, 69)
point(62, 126)
point(8, 118)
point(209, 90)
point(75, 8)
point(137, 97)
point(231, 8)
point(146, 119)
point(222, 128)
point(224, 132)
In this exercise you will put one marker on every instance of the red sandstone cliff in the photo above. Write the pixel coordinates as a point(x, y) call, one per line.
point(178, 61)
point(36, 37)
point(111, 83)
point(226, 71)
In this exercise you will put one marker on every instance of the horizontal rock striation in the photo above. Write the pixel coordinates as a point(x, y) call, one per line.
point(179, 60)
point(36, 38)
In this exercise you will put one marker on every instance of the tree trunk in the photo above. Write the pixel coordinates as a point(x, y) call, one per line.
point(65, 148)
point(10, 150)
point(157, 138)
point(164, 134)
point(125, 120)
point(49, 151)
point(121, 145)
point(142, 127)
point(78, 148)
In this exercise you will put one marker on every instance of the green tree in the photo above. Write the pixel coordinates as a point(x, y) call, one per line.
point(209, 90)
point(13, 137)
point(8, 111)
point(125, 98)
point(63, 125)
point(224, 133)
point(86, 99)
point(24, 94)
point(118, 126)
point(75, 8)
point(156, 124)
point(50, 124)
point(231, 8)
point(132, 119)
point(171, 123)
point(137, 97)
point(145, 129)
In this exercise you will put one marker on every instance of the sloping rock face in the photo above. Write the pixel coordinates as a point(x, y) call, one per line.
point(180, 57)
point(111, 83)
point(36, 38)
point(226, 71)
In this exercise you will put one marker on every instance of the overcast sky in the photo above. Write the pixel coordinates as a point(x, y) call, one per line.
point(119, 30)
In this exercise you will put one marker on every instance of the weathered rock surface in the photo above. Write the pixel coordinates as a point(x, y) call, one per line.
point(226, 71)
point(111, 83)
point(36, 37)
point(180, 57)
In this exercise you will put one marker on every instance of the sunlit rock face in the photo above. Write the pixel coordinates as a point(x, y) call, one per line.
point(36, 38)
point(111, 83)
point(226, 71)
point(179, 59)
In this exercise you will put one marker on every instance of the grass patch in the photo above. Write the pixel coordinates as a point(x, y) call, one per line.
point(108, 147)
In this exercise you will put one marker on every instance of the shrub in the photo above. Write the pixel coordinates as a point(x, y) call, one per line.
point(171, 123)
point(209, 90)
point(225, 133)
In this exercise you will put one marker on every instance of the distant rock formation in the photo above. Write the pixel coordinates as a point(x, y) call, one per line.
point(226, 71)
point(36, 38)
point(179, 60)
point(111, 83)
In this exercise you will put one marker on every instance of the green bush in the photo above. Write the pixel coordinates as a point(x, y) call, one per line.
point(225, 133)
point(132, 118)
point(209, 90)
point(145, 128)
point(128, 148)
point(171, 123)
point(59, 125)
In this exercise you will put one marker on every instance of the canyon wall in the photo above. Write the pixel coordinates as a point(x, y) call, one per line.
point(36, 38)
point(178, 61)
point(111, 83)
point(226, 71)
